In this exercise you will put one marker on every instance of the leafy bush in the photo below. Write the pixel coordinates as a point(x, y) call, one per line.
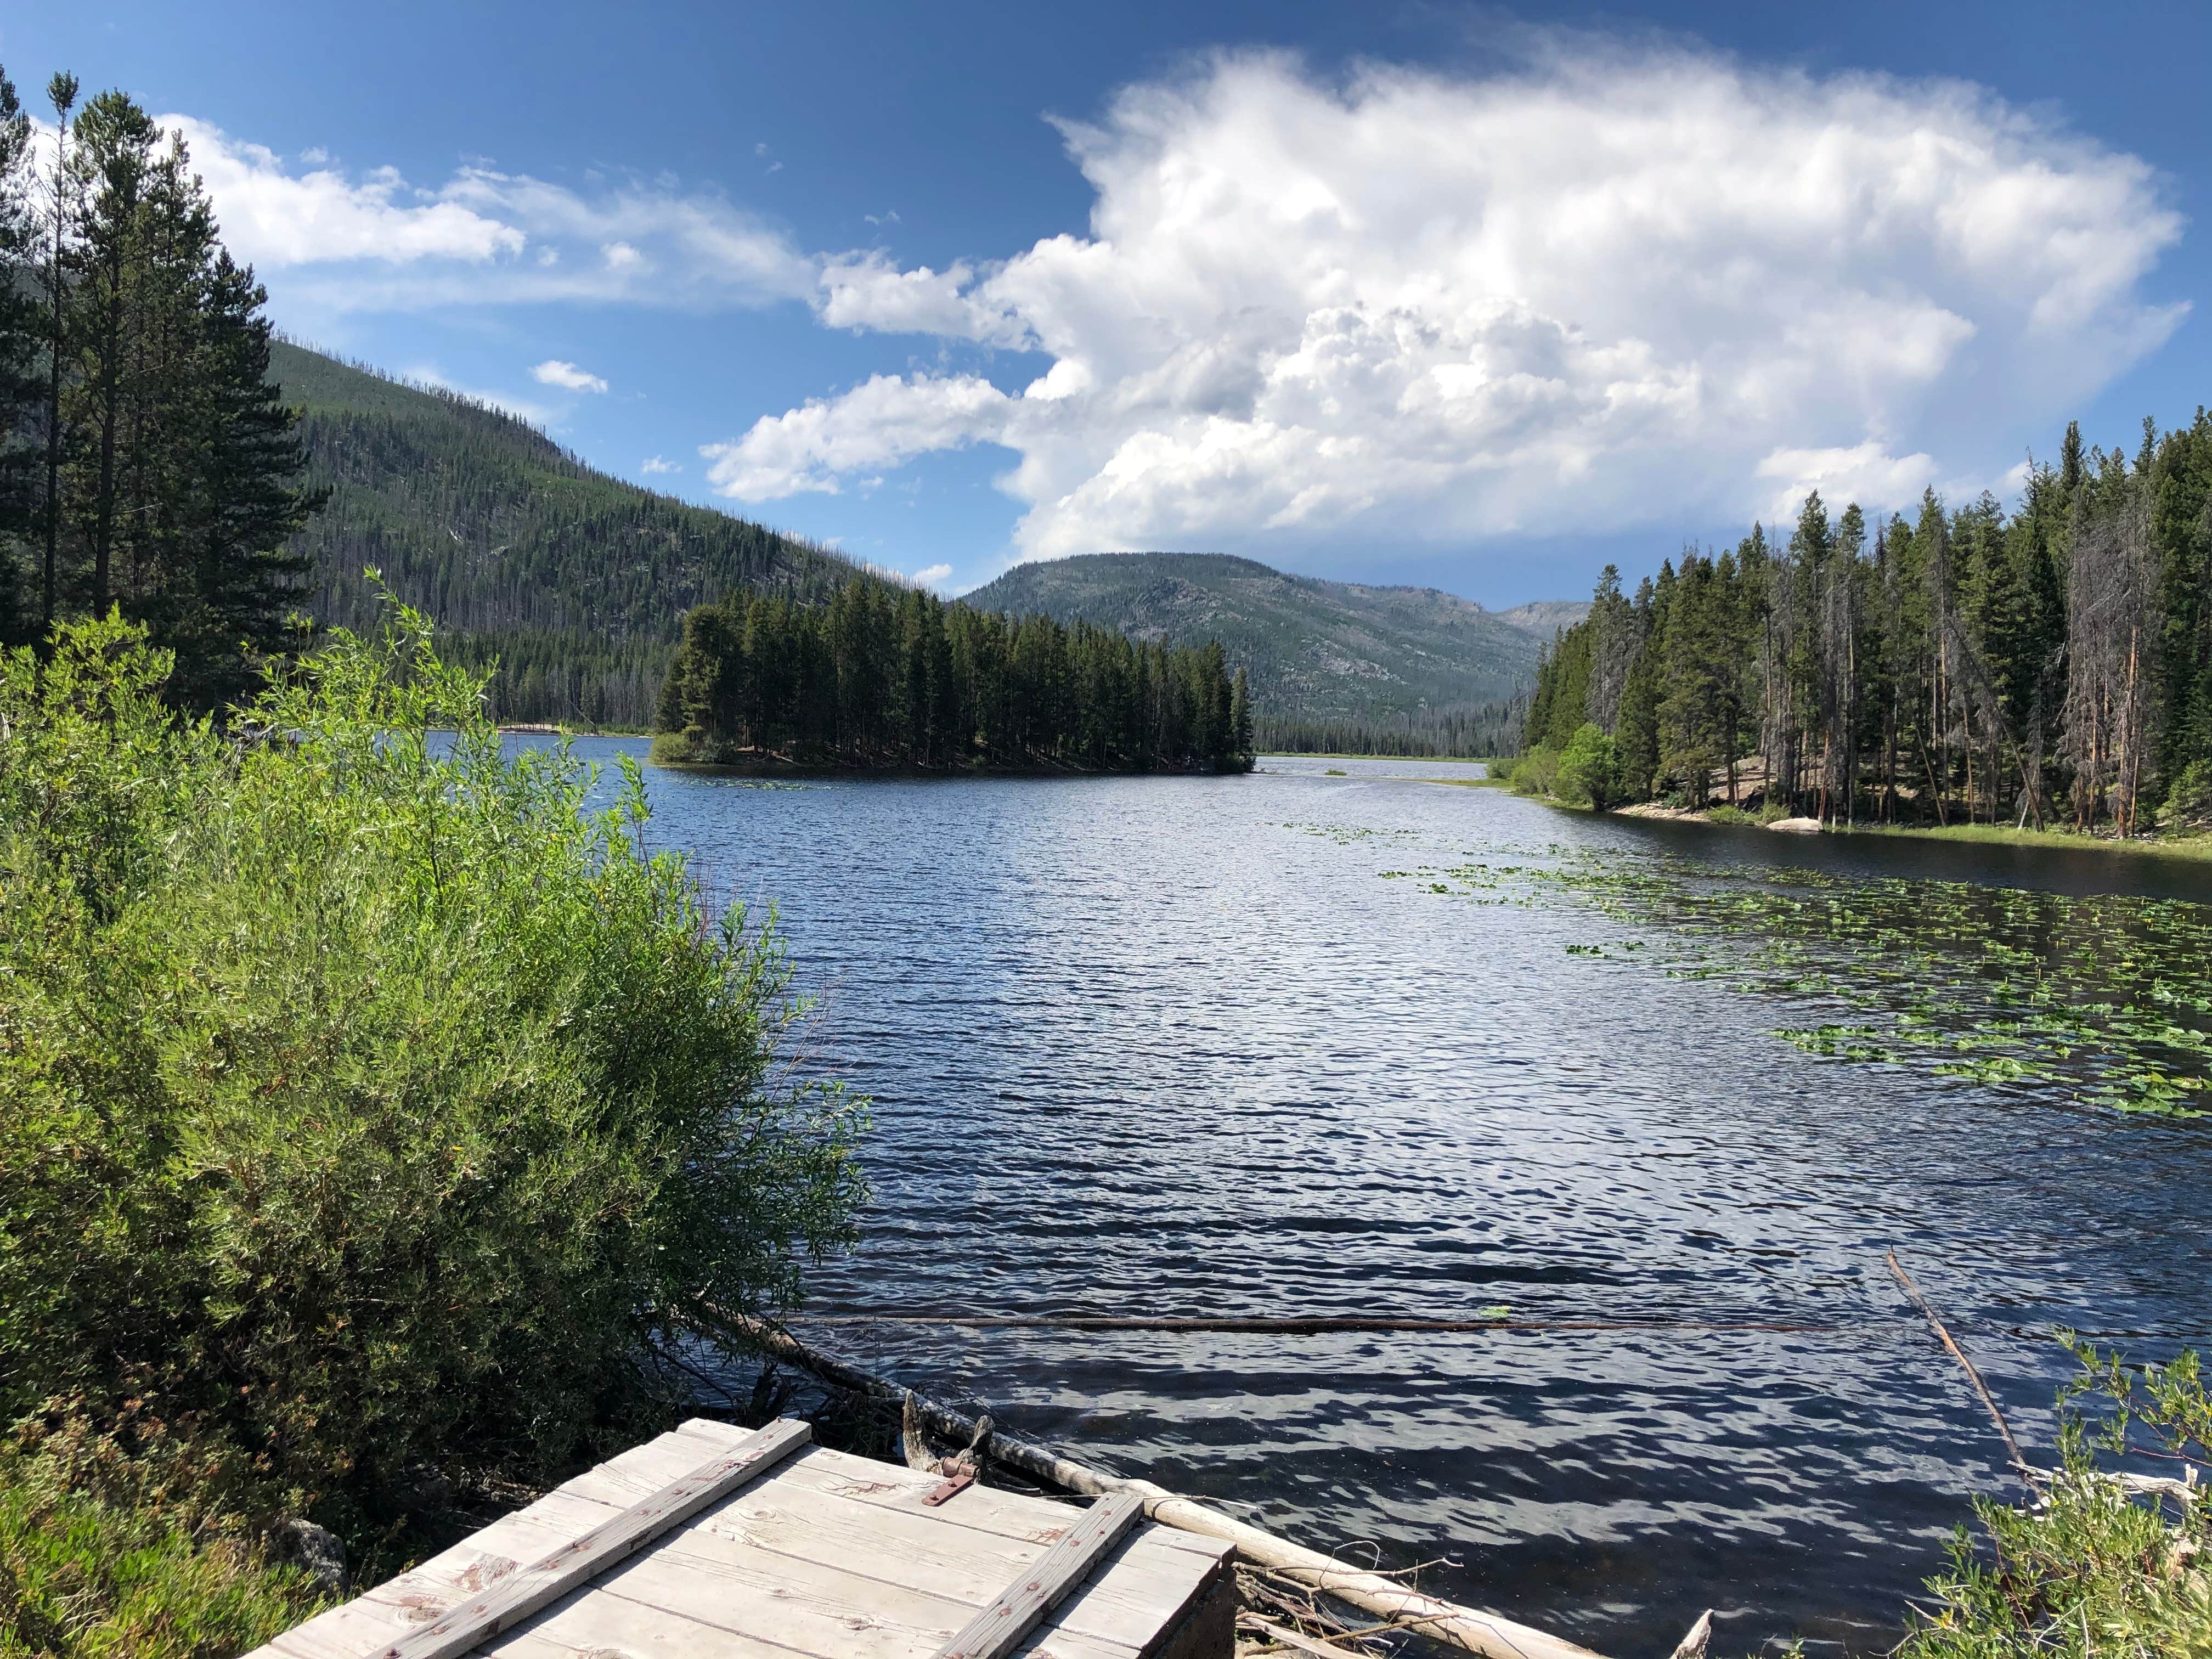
point(1535, 772)
point(2189, 802)
point(2091, 1568)
point(1726, 814)
point(376, 1109)
point(1588, 774)
point(84, 1579)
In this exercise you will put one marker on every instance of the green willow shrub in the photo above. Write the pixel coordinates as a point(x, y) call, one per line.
point(376, 1109)
point(1535, 772)
point(1588, 774)
point(2188, 808)
point(2091, 1568)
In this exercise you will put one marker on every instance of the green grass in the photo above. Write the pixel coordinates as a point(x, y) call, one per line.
point(84, 1579)
point(2002, 835)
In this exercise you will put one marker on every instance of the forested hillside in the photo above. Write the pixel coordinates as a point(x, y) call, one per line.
point(1333, 665)
point(2045, 663)
point(885, 677)
point(577, 581)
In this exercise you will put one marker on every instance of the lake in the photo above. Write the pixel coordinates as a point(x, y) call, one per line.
point(1176, 1046)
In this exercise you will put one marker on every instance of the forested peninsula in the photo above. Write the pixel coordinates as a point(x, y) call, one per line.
point(886, 676)
point(2048, 665)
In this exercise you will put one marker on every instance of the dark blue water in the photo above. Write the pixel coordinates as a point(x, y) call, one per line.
point(1170, 1046)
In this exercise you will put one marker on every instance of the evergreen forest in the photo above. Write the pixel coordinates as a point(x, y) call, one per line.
point(888, 676)
point(2049, 664)
point(1492, 728)
point(148, 463)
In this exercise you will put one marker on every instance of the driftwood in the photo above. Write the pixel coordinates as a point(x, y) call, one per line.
point(2012, 1446)
point(1468, 1628)
point(1283, 1635)
point(1693, 1645)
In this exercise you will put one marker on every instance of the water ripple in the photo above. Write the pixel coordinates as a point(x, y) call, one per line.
point(1167, 1048)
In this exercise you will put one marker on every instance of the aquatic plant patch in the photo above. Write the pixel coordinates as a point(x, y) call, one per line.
point(2106, 999)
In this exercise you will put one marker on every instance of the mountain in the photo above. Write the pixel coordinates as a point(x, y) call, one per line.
point(1545, 617)
point(1324, 653)
point(576, 580)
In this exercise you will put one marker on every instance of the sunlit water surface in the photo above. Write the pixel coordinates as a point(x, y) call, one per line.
point(1171, 1046)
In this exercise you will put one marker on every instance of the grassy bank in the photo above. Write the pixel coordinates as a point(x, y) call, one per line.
point(1999, 835)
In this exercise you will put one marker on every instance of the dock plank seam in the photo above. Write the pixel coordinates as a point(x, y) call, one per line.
point(998, 1630)
point(576, 1563)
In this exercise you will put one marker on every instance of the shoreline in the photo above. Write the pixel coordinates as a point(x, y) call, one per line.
point(2198, 848)
point(799, 770)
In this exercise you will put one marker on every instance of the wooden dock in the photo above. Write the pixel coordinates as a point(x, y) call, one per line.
point(714, 1542)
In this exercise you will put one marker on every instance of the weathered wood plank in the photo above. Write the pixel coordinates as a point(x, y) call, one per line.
point(995, 1632)
point(615, 1627)
point(577, 1562)
point(830, 1556)
point(830, 1613)
point(1137, 1590)
point(1007, 1514)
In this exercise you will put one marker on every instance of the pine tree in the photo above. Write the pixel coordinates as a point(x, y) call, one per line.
point(62, 194)
point(1240, 723)
point(19, 381)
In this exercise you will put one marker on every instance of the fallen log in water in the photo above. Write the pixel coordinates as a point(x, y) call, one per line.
point(1324, 1325)
point(1468, 1628)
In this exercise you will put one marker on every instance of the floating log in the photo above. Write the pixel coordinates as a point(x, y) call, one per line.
point(1321, 1325)
point(1470, 1629)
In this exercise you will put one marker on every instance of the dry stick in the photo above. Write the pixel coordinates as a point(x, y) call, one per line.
point(1468, 1628)
point(1282, 1635)
point(2012, 1446)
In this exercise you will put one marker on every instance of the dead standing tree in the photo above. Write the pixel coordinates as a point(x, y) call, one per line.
point(1618, 635)
point(1836, 584)
point(2111, 634)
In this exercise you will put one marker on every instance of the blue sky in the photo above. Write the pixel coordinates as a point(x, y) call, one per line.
point(1469, 295)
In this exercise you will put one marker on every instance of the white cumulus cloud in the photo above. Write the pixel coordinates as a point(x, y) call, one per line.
point(658, 463)
point(881, 422)
point(331, 241)
point(277, 217)
point(1609, 289)
point(565, 375)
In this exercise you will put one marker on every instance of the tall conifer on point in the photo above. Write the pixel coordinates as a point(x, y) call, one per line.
point(61, 92)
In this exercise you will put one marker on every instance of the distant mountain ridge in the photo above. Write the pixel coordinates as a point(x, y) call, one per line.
point(1318, 651)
